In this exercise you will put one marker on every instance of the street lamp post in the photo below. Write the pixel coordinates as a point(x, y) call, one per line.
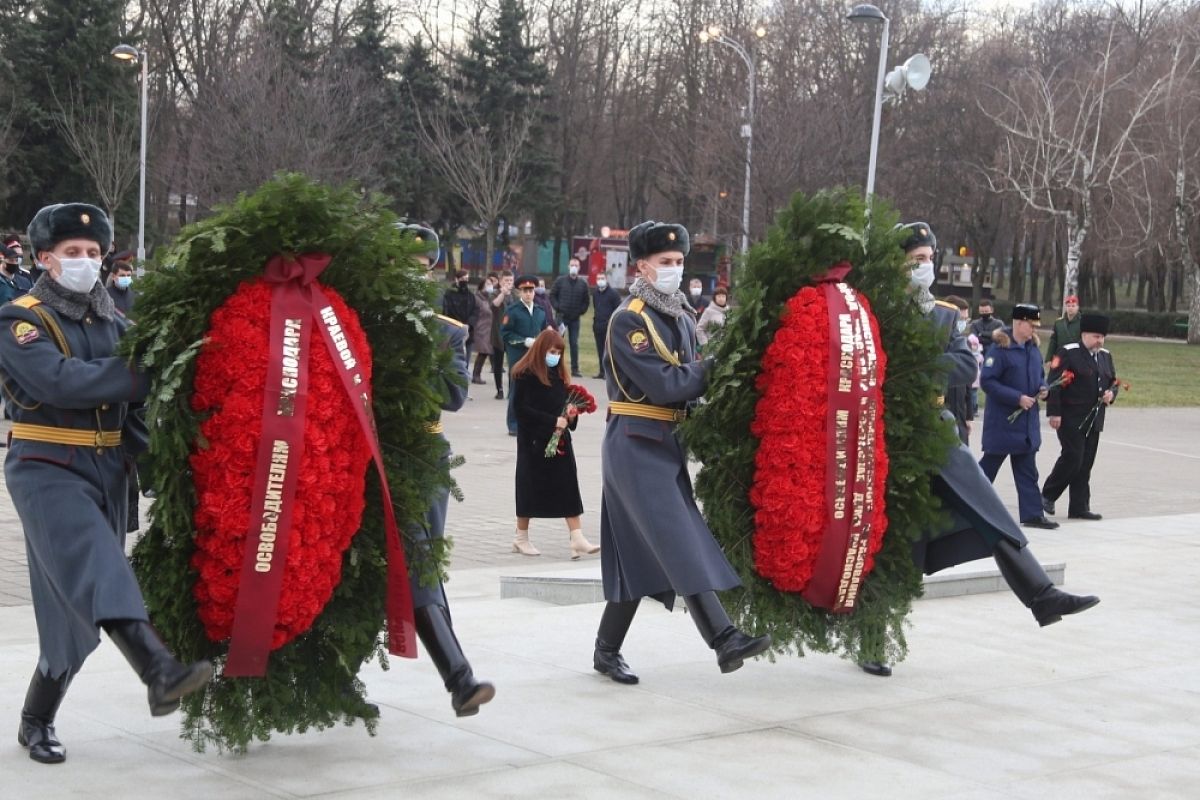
point(714, 34)
point(868, 12)
point(125, 52)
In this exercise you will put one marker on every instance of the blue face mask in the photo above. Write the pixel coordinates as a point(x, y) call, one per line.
point(552, 359)
point(124, 281)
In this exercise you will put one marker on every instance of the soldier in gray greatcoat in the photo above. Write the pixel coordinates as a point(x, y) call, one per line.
point(654, 542)
point(979, 525)
point(432, 610)
point(72, 443)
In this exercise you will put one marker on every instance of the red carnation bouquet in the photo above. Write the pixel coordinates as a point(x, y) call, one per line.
point(1062, 380)
point(579, 401)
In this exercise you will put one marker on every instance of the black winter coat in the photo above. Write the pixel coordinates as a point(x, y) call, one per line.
point(546, 487)
point(569, 296)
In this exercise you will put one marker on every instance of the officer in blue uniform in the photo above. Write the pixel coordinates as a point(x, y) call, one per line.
point(654, 541)
point(979, 524)
point(1013, 380)
point(434, 625)
point(1076, 412)
point(72, 443)
point(523, 320)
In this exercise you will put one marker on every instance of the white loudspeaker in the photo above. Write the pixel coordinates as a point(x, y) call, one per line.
point(914, 72)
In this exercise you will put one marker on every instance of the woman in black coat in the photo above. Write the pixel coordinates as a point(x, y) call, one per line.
point(546, 487)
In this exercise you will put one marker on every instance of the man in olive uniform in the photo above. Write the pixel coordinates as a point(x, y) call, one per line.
point(979, 524)
point(72, 439)
point(520, 325)
point(1066, 328)
point(1076, 412)
point(654, 542)
point(432, 609)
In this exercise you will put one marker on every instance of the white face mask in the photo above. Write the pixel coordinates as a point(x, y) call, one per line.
point(695, 290)
point(574, 270)
point(961, 325)
point(921, 276)
point(668, 279)
point(79, 274)
point(601, 283)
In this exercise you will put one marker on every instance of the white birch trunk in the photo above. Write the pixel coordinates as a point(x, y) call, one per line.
point(1190, 267)
point(1077, 230)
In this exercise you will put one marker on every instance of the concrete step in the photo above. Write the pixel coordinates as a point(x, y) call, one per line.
point(582, 584)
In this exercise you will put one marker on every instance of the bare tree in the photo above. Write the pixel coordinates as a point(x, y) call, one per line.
point(264, 114)
point(104, 137)
point(1068, 139)
point(481, 165)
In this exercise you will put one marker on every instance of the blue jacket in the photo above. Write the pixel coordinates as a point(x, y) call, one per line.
point(1009, 371)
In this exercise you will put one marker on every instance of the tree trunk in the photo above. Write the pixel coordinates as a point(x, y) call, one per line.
point(1077, 230)
point(1188, 259)
point(489, 247)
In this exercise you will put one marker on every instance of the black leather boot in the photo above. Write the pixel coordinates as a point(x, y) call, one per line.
point(437, 634)
point(37, 718)
point(1033, 586)
point(732, 645)
point(166, 679)
point(614, 624)
point(876, 668)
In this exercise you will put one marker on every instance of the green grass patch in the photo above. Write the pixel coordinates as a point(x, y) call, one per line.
point(1158, 373)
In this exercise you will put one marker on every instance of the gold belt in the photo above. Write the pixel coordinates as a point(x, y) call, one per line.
point(647, 411)
point(74, 436)
point(434, 427)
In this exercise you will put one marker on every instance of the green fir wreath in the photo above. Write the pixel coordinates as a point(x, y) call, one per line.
point(311, 681)
point(809, 236)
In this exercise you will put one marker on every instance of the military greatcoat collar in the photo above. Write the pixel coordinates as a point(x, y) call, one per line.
point(74, 305)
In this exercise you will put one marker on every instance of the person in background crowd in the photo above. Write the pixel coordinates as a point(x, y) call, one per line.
point(547, 488)
point(458, 303)
point(976, 350)
point(1066, 328)
point(71, 436)
point(431, 608)
point(1013, 380)
point(713, 316)
point(696, 298)
point(605, 300)
point(1076, 411)
point(655, 543)
point(503, 298)
point(958, 398)
point(481, 331)
point(23, 278)
point(986, 325)
point(8, 269)
point(519, 327)
point(543, 300)
point(570, 299)
point(978, 523)
point(120, 287)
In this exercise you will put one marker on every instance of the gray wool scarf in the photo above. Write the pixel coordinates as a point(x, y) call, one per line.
point(74, 305)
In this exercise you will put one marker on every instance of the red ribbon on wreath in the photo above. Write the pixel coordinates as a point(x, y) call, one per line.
point(297, 303)
point(821, 465)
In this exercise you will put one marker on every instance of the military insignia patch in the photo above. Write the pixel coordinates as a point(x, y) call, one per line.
point(989, 361)
point(24, 332)
point(639, 341)
point(86, 219)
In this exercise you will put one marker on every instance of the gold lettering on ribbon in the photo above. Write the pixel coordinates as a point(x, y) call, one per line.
point(273, 506)
point(859, 363)
point(290, 358)
point(329, 317)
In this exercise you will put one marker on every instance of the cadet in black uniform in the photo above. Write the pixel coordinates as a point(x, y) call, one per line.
point(72, 442)
point(1076, 412)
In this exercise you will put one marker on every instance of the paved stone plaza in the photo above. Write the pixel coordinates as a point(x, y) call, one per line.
point(987, 706)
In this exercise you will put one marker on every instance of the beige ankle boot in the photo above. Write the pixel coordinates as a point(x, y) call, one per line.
point(522, 545)
point(581, 546)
